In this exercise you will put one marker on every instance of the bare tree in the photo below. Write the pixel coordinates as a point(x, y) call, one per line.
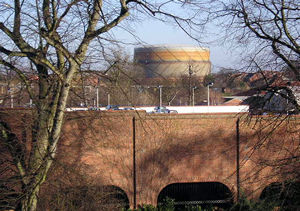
point(264, 25)
point(266, 33)
point(269, 31)
point(52, 40)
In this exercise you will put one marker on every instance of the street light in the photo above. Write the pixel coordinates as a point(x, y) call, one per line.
point(160, 95)
point(208, 85)
point(190, 84)
point(194, 94)
point(97, 97)
point(108, 99)
point(97, 91)
point(11, 94)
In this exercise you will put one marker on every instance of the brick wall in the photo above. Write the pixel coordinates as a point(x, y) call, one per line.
point(177, 149)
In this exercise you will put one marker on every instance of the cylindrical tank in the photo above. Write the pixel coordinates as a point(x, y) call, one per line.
point(173, 61)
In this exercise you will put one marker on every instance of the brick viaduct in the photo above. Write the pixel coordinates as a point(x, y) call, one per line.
point(142, 153)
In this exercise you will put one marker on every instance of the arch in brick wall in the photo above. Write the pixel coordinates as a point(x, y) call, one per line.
point(118, 194)
point(197, 193)
point(285, 194)
point(107, 197)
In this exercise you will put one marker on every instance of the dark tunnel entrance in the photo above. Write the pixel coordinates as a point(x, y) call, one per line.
point(87, 198)
point(204, 194)
point(115, 196)
point(285, 195)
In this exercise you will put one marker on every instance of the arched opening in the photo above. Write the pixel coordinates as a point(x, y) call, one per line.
point(115, 196)
point(286, 194)
point(204, 194)
point(90, 198)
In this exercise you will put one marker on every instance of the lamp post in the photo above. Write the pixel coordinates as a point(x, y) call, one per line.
point(190, 84)
point(11, 95)
point(160, 95)
point(108, 99)
point(208, 85)
point(97, 92)
point(194, 94)
point(97, 97)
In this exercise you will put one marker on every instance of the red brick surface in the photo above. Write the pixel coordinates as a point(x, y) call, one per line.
point(173, 148)
point(177, 149)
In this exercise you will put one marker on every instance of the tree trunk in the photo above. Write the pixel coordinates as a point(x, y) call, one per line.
point(29, 203)
point(45, 144)
point(32, 189)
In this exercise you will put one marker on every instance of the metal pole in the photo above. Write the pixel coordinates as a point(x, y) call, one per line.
point(287, 105)
point(208, 95)
point(238, 158)
point(97, 97)
point(131, 96)
point(190, 84)
point(134, 163)
point(108, 99)
point(160, 95)
point(193, 96)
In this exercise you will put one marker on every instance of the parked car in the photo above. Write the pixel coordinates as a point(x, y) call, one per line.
point(163, 110)
point(112, 108)
point(173, 112)
point(128, 109)
point(94, 109)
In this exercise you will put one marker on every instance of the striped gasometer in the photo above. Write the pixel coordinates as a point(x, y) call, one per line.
point(173, 61)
